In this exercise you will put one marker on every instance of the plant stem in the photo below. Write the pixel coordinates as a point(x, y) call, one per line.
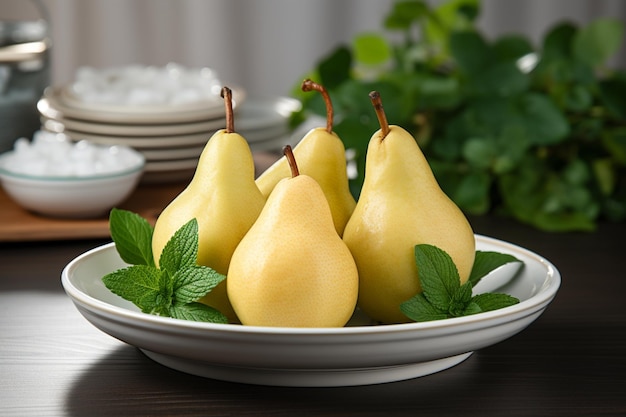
point(288, 152)
point(309, 85)
point(227, 95)
point(380, 113)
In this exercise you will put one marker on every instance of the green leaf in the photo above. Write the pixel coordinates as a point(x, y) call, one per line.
point(133, 237)
point(420, 309)
point(371, 49)
point(443, 296)
point(335, 69)
point(604, 173)
point(557, 43)
point(493, 301)
point(544, 121)
point(598, 41)
point(499, 79)
point(438, 275)
point(480, 152)
point(472, 308)
point(197, 312)
point(182, 248)
point(460, 300)
point(173, 290)
point(193, 282)
point(405, 13)
point(471, 52)
point(511, 48)
point(472, 192)
point(449, 17)
point(142, 285)
point(535, 195)
point(615, 142)
point(613, 95)
point(487, 261)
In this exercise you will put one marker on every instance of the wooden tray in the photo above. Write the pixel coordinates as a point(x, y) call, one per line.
point(17, 224)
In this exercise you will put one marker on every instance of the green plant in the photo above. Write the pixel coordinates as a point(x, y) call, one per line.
point(536, 133)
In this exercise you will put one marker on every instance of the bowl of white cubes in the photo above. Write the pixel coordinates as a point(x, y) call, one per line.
point(53, 176)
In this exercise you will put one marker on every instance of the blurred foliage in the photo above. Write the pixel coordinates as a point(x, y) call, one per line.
point(536, 133)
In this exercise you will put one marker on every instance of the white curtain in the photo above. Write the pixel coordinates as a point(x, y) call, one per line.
point(264, 46)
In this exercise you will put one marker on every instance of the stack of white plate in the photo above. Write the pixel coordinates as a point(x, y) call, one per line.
point(171, 137)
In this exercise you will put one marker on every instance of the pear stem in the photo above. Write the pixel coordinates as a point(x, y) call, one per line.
point(227, 95)
point(309, 85)
point(288, 152)
point(380, 112)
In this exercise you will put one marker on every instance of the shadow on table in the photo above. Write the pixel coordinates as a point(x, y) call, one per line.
point(128, 383)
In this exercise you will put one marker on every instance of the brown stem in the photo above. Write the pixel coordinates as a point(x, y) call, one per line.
point(292, 160)
point(309, 85)
point(380, 112)
point(227, 95)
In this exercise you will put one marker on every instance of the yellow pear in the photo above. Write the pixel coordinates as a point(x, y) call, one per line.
point(225, 201)
point(401, 205)
point(322, 156)
point(292, 269)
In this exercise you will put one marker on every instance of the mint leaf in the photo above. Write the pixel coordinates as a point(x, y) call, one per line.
point(438, 275)
point(192, 283)
point(442, 294)
point(182, 248)
point(197, 312)
point(493, 301)
point(132, 235)
point(171, 291)
point(460, 300)
point(485, 262)
point(142, 285)
point(471, 308)
point(419, 309)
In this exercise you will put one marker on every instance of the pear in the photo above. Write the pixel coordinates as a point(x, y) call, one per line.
point(401, 205)
point(225, 201)
point(321, 155)
point(292, 269)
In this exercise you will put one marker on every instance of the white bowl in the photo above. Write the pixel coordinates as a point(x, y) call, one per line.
point(358, 354)
point(72, 196)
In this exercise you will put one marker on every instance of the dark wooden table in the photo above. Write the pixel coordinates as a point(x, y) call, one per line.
point(570, 362)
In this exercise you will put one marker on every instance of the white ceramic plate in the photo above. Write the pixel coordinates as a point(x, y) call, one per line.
point(112, 129)
point(55, 104)
point(139, 143)
point(356, 355)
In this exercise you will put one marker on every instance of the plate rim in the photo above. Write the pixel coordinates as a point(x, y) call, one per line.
point(522, 309)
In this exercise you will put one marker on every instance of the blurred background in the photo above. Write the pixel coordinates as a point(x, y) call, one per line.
point(531, 126)
point(265, 46)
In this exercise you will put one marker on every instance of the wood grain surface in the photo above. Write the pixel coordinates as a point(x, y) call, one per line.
point(18, 224)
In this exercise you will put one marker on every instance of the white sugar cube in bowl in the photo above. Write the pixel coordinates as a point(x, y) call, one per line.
point(55, 177)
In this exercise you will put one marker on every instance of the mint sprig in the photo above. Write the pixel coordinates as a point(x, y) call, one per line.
point(173, 290)
point(443, 296)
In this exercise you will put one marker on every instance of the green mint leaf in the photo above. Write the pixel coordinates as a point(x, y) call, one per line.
point(472, 308)
point(182, 248)
point(443, 296)
point(438, 275)
point(419, 308)
point(193, 282)
point(460, 300)
point(143, 286)
point(132, 235)
point(485, 262)
point(196, 312)
point(493, 301)
point(171, 291)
